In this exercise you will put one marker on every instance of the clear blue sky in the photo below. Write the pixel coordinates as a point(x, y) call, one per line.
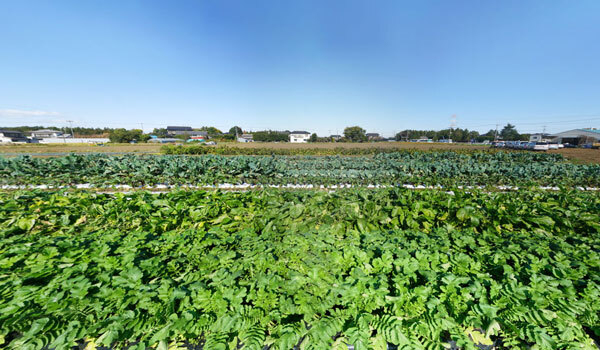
point(310, 65)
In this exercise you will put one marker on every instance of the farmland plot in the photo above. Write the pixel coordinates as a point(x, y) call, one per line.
point(411, 167)
point(309, 269)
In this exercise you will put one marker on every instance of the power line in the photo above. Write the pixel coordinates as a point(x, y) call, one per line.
point(71, 127)
point(561, 122)
point(512, 121)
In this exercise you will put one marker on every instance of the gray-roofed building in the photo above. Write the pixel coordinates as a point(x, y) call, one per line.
point(185, 130)
point(11, 136)
point(577, 136)
point(178, 128)
point(372, 136)
point(245, 138)
point(47, 134)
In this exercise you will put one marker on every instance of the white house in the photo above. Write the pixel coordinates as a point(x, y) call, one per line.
point(245, 138)
point(539, 137)
point(299, 136)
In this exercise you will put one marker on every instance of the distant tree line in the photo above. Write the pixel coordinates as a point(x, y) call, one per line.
point(351, 134)
point(28, 129)
point(508, 133)
point(457, 135)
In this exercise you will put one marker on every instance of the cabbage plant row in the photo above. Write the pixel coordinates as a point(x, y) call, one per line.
point(300, 269)
point(426, 168)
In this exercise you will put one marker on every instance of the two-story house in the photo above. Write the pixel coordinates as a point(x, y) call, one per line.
point(299, 136)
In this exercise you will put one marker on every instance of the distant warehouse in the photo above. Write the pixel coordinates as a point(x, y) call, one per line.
point(577, 136)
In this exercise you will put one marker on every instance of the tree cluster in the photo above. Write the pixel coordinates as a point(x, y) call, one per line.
point(211, 131)
point(355, 134)
point(160, 132)
point(508, 133)
point(271, 136)
point(457, 135)
point(126, 136)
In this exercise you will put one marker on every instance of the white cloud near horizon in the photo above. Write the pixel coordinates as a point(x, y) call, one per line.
point(21, 113)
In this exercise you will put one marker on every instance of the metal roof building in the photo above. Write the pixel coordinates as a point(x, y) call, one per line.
point(47, 133)
point(10, 136)
point(578, 136)
point(185, 130)
point(179, 128)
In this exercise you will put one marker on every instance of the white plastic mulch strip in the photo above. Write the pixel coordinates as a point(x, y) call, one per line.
point(245, 186)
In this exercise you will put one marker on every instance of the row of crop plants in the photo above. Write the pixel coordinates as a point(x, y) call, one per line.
point(422, 168)
point(300, 269)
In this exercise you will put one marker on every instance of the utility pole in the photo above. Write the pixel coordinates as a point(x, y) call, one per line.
point(496, 133)
point(452, 125)
point(142, 125)
point(71, 127)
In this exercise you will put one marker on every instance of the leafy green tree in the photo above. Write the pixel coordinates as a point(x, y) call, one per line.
point(473, 135)
point(355, 134)
point(510, 133)
point(124, 136)
point(211, 131)
point(270, 136)
point(160, 132)
point(442, 135)
point(313, 138)
point(235, 129)
point(118, 136)
point(488, 136)
point(415, 134)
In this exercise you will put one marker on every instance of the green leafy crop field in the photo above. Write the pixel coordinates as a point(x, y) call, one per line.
point(408, 167)
point(276, 269)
